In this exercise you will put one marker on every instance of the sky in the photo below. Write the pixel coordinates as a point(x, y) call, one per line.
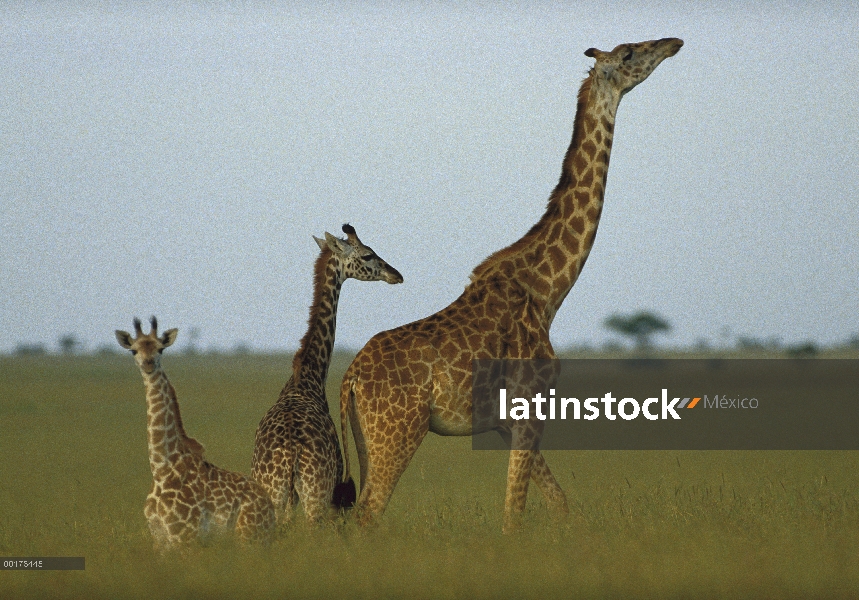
point(175, 158)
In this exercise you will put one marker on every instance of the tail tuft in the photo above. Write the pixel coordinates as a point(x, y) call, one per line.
point(344, 494)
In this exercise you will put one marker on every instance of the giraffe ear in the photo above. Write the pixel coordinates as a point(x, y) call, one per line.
point(169, 337)
point(321, 243)
point(338, 246)
point(124, 339)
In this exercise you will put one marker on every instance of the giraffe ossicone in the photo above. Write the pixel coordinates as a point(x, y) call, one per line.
point(297, 452)
point(190, 498)
point(417, 378)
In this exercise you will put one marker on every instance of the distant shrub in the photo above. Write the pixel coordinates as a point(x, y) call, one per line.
point(30, 350)
point(805, 349)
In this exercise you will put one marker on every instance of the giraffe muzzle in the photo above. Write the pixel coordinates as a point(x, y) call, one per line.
point(675, 44)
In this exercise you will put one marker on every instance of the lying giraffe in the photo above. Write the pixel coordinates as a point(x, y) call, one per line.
point(417, 378)
point(297, 453)
point(190, 497)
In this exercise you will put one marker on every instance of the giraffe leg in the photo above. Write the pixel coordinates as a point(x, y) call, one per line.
point(387, 459)
point(246, 529)
point(518, 475)
point(379, 487)
point(256, 519)
point(277, 478)
point(360, 443)
point(315, 487)
point(160, 535)
point(289, 500)
point(180, 533)
point(542, 476)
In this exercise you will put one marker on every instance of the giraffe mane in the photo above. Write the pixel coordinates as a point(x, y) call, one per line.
point(553, 206)
point(319, 283)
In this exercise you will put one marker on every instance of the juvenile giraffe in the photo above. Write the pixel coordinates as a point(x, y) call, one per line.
point(190, 497)
point(417, 378)
point(297, 453)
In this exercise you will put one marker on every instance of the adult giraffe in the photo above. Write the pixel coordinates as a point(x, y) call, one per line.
point(417, 378)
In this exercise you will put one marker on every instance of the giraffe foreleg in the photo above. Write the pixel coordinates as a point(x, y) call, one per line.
point(256, 518)
point(542, 476)
point(157, 527)
point(518, 474)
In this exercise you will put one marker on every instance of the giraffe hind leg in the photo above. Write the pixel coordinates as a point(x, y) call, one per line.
point(387, 459)
point(315, 484)
point(276, 476)
point(360, 442)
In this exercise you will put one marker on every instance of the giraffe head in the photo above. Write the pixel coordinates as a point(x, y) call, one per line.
point(146, 348)
point(358, 261)
point(629, 64)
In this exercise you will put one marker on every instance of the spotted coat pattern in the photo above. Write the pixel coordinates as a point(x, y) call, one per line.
point(297, 453)
point(190, 497)
point(417, 378)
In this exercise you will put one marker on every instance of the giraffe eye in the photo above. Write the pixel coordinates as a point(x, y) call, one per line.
point(369, 256)
point(628, 56)
point(160, 350)
point(134, 352)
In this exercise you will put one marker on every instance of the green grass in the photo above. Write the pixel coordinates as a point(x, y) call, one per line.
point(74, 474)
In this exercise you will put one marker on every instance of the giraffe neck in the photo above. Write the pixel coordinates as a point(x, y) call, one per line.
point(548, 259)
point(311, 362)
point(167, 437)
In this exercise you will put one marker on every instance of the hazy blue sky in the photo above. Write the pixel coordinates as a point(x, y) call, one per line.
point(175, 159)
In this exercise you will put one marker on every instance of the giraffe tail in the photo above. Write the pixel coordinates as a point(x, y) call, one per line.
point(345, 494)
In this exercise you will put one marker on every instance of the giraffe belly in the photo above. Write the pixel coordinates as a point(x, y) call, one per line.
point(448, 423)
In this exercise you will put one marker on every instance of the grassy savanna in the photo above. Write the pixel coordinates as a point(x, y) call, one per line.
point(74, 474)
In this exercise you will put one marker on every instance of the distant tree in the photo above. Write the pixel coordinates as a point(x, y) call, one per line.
point(69, 344)
point(193, 340)
point(640, 326)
